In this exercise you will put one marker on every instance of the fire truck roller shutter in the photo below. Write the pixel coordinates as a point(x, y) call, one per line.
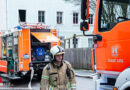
point(45, 37)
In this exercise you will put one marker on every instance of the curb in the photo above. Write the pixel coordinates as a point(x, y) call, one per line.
point(85, 76)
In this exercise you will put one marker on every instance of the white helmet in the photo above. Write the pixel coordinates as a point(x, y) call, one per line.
point(57, 50)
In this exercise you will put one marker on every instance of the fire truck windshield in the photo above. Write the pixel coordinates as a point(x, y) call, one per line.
point(112, 12)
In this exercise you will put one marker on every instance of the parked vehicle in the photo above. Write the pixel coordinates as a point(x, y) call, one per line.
point(28, 46)
point(111, 38)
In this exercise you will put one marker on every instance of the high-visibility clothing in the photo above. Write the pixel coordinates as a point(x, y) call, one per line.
point(56, 78)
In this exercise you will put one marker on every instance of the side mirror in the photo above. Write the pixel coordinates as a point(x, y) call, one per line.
point(84, 26)
point(84, 9)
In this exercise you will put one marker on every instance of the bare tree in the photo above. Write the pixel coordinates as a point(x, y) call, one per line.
point(92, 3)
point(112, 10)
point(75, 2)
point(124, 10)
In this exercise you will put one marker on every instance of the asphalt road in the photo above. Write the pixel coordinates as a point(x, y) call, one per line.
point(82, 84)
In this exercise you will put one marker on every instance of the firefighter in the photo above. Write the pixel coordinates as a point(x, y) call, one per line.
point(58, 74)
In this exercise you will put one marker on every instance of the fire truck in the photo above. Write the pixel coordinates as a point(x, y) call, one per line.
point(26, 46)
point(111, 43)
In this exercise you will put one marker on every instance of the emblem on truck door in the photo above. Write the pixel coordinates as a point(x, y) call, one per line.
point(114, 52)
point(115, 56)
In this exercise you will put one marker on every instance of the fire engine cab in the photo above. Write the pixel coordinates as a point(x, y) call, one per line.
point(111, 39)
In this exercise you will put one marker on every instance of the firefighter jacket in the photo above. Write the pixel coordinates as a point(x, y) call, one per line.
point(58, 78)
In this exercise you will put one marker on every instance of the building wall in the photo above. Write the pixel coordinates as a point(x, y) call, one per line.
point(51, 7)
point(3, 15)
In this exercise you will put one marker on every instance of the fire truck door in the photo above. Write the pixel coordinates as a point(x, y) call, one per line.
point(24, 50)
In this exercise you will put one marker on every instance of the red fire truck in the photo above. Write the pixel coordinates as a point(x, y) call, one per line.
point(111, 38)
point(27, 46)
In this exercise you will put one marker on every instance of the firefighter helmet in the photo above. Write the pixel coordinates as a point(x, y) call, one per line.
point(56, 50)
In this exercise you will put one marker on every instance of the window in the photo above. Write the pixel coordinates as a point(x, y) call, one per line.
point(41, 16)
point(90, 18)
point(22, 15)
point(75, 18)
point(90, 42)
point(113, 12)
point(59, 17)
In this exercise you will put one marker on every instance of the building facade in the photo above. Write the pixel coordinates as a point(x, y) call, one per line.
point(57, 14)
